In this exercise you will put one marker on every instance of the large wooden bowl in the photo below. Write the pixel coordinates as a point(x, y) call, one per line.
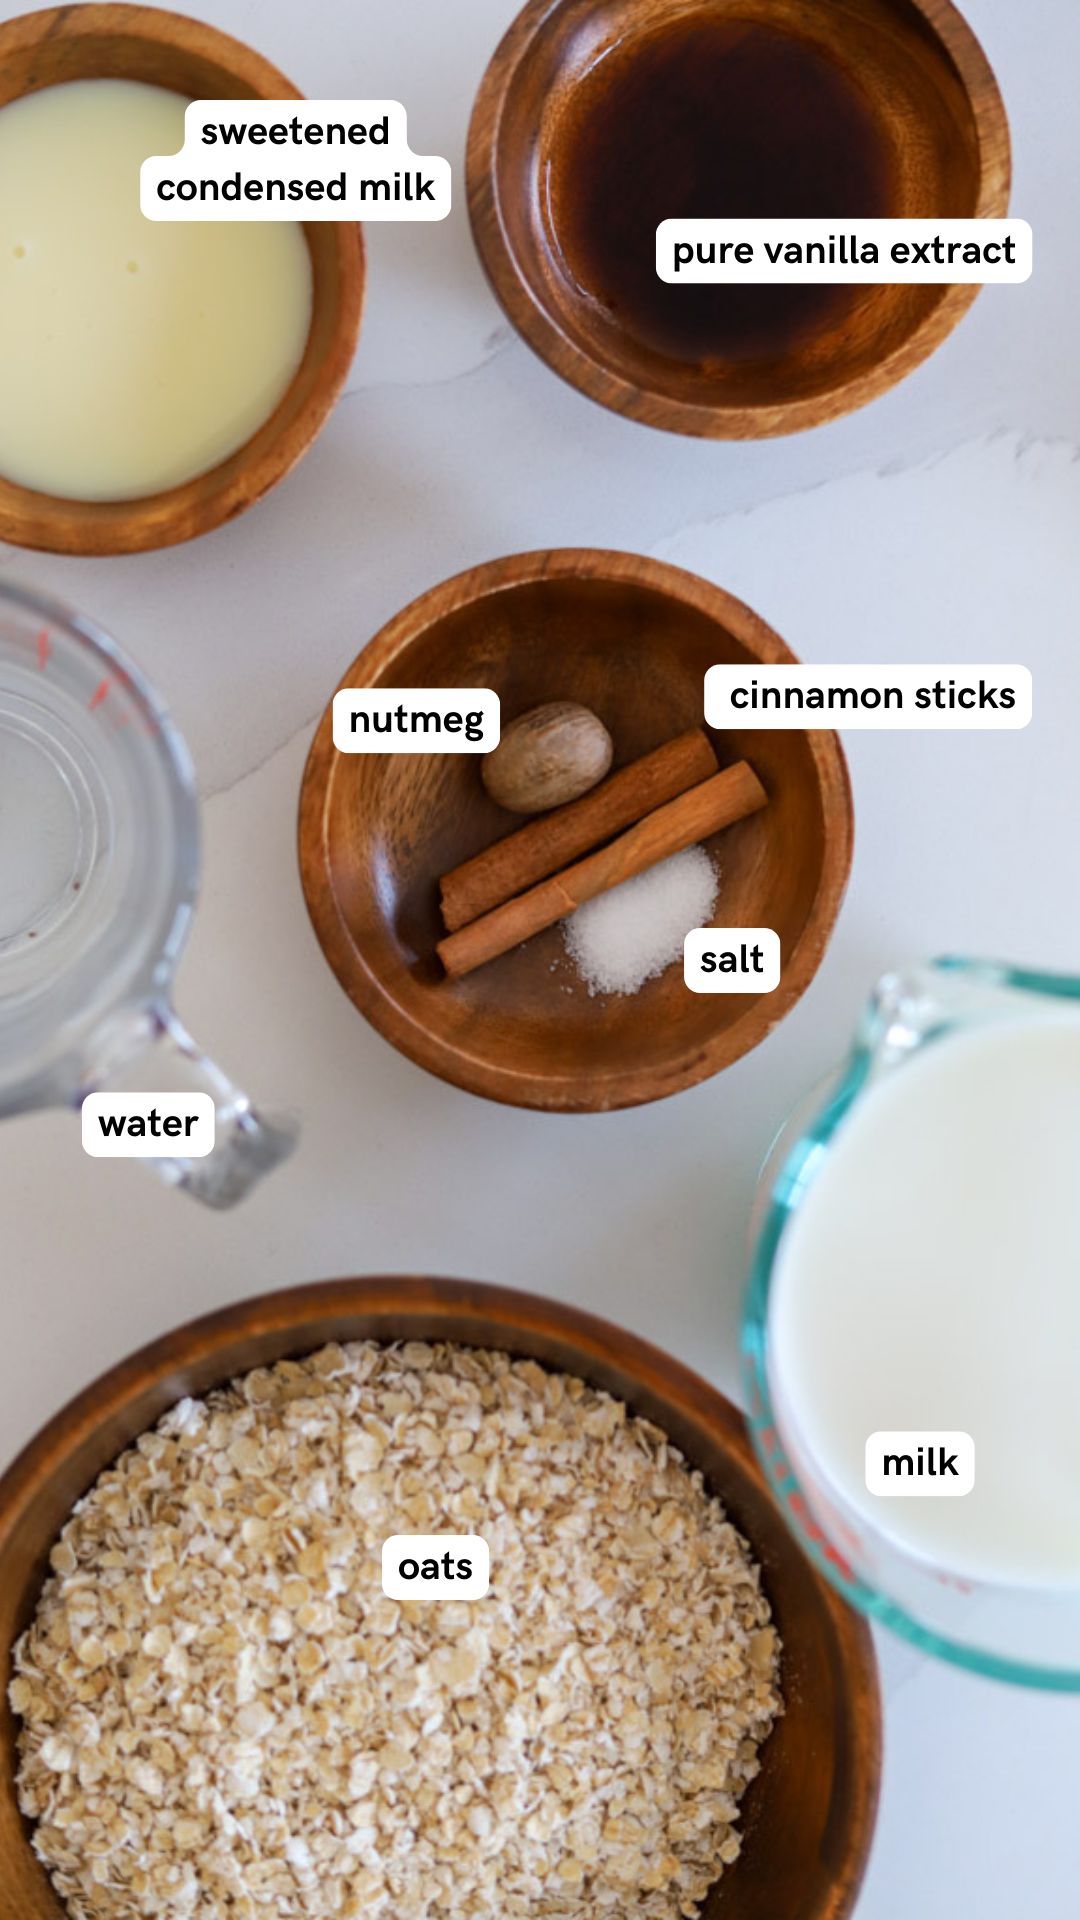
point(169, 50)
point(808, 1817)
point(631, 638)
point(939, 127)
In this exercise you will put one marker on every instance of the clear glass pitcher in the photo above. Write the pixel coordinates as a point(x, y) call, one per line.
point(99, 867)
point(1027, 1634)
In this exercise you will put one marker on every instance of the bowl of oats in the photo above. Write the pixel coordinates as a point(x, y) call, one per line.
point(657, 1709)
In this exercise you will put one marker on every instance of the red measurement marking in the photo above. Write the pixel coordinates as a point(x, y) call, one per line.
point(806, 1520)
point(954, 1581)
point(99, 694)
point(43, 647)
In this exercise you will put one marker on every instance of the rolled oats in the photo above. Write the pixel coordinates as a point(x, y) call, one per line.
point(222, 1714)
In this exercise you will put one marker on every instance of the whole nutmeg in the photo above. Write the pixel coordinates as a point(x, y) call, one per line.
point(546, 757)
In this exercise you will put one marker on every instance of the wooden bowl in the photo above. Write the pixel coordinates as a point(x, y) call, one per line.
point(631, 638)
point(933, 137)
point(169, 50)
point(808, 1817)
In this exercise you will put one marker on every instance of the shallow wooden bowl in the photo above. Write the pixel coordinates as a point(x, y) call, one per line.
point(169, 50)
point(631, 638)
point(808, 1817)
point(942, 136)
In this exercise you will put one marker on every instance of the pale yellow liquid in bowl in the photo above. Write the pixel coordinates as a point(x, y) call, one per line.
point(134, 354)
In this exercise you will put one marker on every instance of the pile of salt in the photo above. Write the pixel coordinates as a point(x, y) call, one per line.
point(630, 934)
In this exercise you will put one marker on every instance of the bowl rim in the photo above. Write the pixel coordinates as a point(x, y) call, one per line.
point(575, 1091)
point(194, 1343)
point(478, 1314)
point(591, 375)
point(52, 523)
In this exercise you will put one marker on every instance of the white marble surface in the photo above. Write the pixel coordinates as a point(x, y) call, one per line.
point(939, 523)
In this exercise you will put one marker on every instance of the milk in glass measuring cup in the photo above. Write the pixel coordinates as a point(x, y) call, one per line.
point(99, 864)
point(917, 1271)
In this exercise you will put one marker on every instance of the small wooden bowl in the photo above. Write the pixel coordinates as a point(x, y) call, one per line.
point(938, 120)
point(631, 638)
point(808, 1817)
point(169, 50)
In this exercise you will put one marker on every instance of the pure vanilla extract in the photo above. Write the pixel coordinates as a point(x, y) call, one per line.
point(710, 119)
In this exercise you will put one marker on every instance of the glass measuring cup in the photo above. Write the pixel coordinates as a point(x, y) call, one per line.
point(1027, 1633)
point(99, 865)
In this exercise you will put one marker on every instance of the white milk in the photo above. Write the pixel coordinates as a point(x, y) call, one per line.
point(931, 1281)
point(134, 354)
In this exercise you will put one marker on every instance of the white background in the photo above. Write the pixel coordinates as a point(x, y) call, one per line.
point(943, 521)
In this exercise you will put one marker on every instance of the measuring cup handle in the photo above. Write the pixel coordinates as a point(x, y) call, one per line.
point(155, 1053)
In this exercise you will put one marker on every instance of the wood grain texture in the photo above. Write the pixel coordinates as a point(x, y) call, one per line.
point(520, 859)
point(697, 814)
point(809, 1816)
point(631, 638)
point(168, 50)
point(944, 139)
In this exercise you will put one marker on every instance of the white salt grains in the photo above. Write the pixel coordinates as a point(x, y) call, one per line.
point(630, 934)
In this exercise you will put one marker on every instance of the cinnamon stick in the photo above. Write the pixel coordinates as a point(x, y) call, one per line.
point(551, 842)
point(704, 809)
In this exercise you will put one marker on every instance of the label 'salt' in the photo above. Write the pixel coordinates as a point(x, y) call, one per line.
point(732, 960)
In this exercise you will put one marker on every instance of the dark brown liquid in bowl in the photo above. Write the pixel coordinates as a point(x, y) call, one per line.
point(711, 119)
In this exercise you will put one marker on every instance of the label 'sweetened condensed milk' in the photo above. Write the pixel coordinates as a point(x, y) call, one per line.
point(269, 160)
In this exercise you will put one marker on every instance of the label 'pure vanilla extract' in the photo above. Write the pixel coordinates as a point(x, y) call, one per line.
point(711, 119)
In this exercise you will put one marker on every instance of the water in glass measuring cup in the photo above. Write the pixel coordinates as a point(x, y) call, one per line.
point(99, 863)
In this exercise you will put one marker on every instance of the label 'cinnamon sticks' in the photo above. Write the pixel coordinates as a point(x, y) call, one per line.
point(702, 810)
